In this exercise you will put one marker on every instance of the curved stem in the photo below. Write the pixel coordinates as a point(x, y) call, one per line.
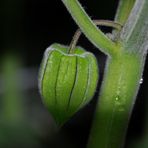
point(78, 33)
point(95, 35)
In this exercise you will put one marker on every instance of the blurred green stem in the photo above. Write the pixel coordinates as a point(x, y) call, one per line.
point(12, 106)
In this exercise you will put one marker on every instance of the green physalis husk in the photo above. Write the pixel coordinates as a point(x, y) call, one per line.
point(67, 81)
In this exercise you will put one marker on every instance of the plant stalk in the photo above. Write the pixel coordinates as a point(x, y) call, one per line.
point(116, 100)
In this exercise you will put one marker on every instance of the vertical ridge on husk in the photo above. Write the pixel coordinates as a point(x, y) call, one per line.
point(80, 84)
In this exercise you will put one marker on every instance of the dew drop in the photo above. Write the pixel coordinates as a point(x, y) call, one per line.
point(117, 99)
point(141, 81)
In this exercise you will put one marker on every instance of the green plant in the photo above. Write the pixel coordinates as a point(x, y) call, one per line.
point(126, 52)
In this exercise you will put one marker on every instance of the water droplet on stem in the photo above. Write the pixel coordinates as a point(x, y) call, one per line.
point(141, 81)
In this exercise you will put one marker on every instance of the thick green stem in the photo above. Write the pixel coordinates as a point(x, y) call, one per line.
point(95, 35)
point(119, 89)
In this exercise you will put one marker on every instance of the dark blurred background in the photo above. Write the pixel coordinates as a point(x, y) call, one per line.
point(27, 28)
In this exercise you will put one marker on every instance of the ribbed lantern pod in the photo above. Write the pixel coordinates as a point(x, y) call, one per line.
point(67, 81)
